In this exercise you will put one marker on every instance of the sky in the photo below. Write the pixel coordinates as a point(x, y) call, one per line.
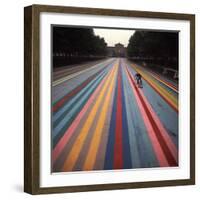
point(114, 36)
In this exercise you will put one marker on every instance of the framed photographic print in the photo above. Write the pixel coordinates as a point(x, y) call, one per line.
point(109, 99)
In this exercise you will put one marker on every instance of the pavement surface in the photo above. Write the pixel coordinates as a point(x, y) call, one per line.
point(102, 120)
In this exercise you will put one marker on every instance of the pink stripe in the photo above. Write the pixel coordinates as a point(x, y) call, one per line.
point(69, 132)
point(166, 82)
point(155, 143)
point(163, 132)
point(161, 128)
point(156, 76)
point(118, 147)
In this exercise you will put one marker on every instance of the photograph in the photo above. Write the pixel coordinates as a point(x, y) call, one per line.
point(114, 98)
point(109, 99)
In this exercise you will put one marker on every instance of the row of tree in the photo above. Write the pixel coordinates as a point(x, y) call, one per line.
point(154, 47)
point(71, 44)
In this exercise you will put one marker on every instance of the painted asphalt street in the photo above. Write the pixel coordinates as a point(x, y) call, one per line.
point(102, 120)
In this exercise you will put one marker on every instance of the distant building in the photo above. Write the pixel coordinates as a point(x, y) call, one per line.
point(117, 51)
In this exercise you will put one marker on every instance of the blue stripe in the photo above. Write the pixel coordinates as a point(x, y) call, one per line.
point(167, 115)
point(79, 81)
point(131, 109)
point(69, 104)
point(109, 157)
point(59, 130)
point(125, 137)
point(141, 141)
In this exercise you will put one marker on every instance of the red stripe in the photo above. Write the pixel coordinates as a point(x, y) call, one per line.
point(170, 157)
point(161, 94)
point(60, 103)
point(154, 74)
point(118, 162)
point(168, 83)
point(152, 136)
point(70, 131)
point(174, 107)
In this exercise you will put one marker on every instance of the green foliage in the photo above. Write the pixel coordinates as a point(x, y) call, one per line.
point(151, 45)
point(77, 41)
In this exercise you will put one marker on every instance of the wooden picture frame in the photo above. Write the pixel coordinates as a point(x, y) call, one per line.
point(32, 98)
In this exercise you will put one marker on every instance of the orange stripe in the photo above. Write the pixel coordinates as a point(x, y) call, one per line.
point(75, 151)
point(167, 145)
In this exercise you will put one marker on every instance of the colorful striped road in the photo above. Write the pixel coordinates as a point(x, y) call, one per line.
point(101, 120)
point(168, 94)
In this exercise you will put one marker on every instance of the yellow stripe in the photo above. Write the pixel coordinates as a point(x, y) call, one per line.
point(94, 144)
point(61, 80)
point(173, 100)
point(74, 153)
point(164, 82)
point(157, 78)
point(161, 89)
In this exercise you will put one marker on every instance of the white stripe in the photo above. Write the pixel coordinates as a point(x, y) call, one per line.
point(57, 82)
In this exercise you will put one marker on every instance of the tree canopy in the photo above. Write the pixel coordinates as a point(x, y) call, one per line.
point(153, 45)
point(78, 41)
